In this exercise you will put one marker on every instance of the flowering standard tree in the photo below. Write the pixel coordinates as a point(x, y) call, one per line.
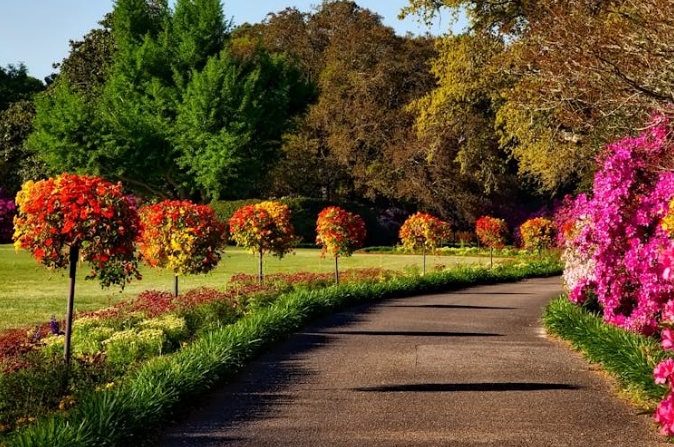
point(340, 233)
point(263, 228)
point(69, 218)
point(492, 233)
point(538, 234)
point(423, 231)
point(7, 213)
point(182, 237)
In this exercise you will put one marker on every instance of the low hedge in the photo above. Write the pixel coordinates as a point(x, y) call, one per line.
point(627, 356)
point(124, 414)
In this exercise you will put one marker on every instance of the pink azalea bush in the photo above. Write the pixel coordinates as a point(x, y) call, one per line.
point(614, 238)
point(619, 244)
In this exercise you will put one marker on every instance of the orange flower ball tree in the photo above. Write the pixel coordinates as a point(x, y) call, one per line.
point(182, 237)
point(423, 231)
point(263, 228)
point(340, 233)
point(492, 233)
point(69, 218)
point(538, 234)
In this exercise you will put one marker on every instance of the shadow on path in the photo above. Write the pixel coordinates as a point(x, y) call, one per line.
point(413, 333)
point(465, 387)
point(451, 306)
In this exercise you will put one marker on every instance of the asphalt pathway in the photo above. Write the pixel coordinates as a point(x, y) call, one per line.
point(468, 368)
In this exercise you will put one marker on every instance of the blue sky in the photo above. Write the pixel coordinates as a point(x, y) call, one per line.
point(36, 32)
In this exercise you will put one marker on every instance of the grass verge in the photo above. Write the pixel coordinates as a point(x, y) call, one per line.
point(626, 356)
point(132, 412)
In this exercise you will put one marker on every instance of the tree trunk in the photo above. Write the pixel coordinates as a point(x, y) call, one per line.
point(336, 270)
point(72, 260)
point(259, 268)
point(491, 257)
point(423, 270)
point(175, 285)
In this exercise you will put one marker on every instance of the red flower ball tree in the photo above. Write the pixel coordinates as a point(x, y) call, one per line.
point(340, 233)
point(182, 237)
point(492, 233)
point(69, 218)
point(263, 228)
point(423, 231)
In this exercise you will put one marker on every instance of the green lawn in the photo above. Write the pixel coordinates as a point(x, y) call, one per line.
point(30, 294)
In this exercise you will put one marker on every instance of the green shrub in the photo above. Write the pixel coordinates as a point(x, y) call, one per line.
point(127, 347)
point(174, 327)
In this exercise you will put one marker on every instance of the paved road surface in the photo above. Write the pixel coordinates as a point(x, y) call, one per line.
point(463, 369)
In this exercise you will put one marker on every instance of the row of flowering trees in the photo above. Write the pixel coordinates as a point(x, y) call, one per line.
point(618, 243)
point(537, 234)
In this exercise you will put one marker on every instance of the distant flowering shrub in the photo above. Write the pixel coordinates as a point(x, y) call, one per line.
point(7, 213)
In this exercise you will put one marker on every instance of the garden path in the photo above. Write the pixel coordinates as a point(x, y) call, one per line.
point(463, 369)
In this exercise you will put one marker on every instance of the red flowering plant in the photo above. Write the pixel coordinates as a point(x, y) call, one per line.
point(423, 231)
point(263, 228)
point(492, 233)
point(182, 237)
point(69, 218)
point(538, 234)
point(340, 233)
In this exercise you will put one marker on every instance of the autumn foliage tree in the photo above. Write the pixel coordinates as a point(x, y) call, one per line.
point(262, 228)
point(423, 231)
point(70, 218)
point(538, 234)
point(182, 237)
point(340, 233)
point(492, 233)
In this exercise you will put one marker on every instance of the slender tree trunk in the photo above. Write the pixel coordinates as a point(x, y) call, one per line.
point(72, 260)
point(336, 270)
point(423, 270)
point(259, 268)
point(491, 257)
point(175, 285)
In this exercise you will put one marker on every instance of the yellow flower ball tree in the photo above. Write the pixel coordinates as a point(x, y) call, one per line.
point(264, 227)
point(423, 231)
point(340, 233)
point(182, 237)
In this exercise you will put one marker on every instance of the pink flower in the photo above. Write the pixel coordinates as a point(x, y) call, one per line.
point(667, 339)
point(668, 312)
point(664, 371)
point(666, 263)
point(664, 415)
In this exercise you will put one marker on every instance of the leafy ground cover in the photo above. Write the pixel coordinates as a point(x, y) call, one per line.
point(31, 294)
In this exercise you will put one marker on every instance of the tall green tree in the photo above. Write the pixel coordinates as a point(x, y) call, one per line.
point(17, 163)
point(143, 124)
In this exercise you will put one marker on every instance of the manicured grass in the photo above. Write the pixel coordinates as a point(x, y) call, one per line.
point(29, 293)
